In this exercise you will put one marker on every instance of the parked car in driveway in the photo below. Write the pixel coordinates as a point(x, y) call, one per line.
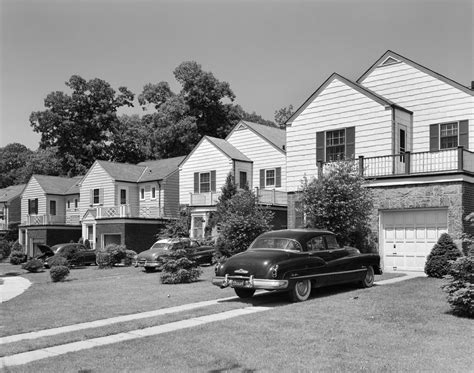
point(82, 255)
point(152, 259)
point(295, 260)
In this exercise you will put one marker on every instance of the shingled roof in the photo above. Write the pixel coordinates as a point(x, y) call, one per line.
point(160, 168)
point(228, 149)
point(58, 185)
point(272, 134)
point(10, 192)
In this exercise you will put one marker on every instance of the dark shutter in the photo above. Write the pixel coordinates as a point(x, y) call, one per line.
point(320, 147)
point(278, 177)
point(213, 181)
point(36, 206)
point(196, 182)
point(29, 207)
point(434, 137)
point(262, 178)
point(464, 134)
point(350, 142)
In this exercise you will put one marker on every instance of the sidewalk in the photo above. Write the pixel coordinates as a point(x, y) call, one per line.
point(12, 287)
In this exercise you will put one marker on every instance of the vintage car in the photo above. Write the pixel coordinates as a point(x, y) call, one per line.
point(151, 259)
point(80, 254)
point(295, 260)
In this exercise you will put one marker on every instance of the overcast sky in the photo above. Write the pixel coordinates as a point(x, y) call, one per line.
point(273, 53)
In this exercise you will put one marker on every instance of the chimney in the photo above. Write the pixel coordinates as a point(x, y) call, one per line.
point(472, 84)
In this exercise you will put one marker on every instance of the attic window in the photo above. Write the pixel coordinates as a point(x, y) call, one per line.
point(389, 61)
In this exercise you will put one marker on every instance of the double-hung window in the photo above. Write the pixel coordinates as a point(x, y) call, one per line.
point(123, 196)
point(52, 208)
point(335, 145)
point(242, 179)
point(448, 135)
point(96, 196)
point(270, 178)
point(205, 182)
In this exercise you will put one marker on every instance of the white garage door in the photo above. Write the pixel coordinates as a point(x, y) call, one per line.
point(409, 236)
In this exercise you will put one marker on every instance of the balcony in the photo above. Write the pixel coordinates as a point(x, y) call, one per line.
point(45, 219)
point(204, 199)
point(151, 212)
point(120, 211)
point(428, 163)
point(272, 197)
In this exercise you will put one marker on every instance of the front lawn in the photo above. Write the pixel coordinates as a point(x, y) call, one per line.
point(405, 326)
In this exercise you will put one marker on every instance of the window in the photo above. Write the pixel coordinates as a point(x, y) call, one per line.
point(269, 178)
point(52, 207)
point(75, 203)
point(96, 196)
point(242, 179)
point(335, 145)
point(142, 193)
point(331, 243)
point(205, 182)
point(68, 204)
point(123, 196)
point(448, 135)
point(153, 193)
point(33, 206)
point(316, 244)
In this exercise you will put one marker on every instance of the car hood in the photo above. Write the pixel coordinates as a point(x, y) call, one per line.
point(254, 262)
point(45, 249)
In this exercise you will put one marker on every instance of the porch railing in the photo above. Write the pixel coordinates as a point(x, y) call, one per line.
point(151, 212)
point(204, 199)
point(272, 197)
point(45, 219)
point(120, 211)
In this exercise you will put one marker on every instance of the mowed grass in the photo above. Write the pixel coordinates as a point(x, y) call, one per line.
point(405, 326)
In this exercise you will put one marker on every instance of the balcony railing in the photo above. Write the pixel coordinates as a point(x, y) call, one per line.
point(45, 219)
point(151, 212)
point(451, 160)
point(204, 199)
point(120, 211)
point(272, 197)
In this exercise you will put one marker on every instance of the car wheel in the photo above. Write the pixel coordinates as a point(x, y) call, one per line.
point(369, 278)
point(300, 291)
point(244, 293)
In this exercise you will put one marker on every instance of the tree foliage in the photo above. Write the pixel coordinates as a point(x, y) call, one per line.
point(177, 228)
point(282, 115)
point(241, 222)
point(79, 124)
point(340, 202)
point(460, 286)
point(438, 261)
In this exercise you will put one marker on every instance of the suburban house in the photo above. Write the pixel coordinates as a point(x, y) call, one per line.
point(127, 204)
point(10, 208)
point(253, 154)
point(411, 130)
point(49, 212)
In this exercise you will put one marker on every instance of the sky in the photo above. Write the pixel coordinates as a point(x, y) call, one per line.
point(273, 53)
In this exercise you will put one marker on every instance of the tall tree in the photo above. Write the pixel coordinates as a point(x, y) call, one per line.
point(282, 115)
point(129, 140)
point(13, 158)
point(80, 124)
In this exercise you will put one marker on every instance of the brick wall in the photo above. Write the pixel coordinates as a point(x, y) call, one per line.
point(468, 203)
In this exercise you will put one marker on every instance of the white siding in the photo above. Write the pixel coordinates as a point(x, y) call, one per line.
point(205, 158)
point(263, 154)
point(96, 178)
point(431, 100)
point(170, 195)
point(132, 196)
point(337, 106)
point(32, 190)
point(149, 203)
point(243, 167)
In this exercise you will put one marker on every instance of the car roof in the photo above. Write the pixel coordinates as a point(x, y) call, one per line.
point(301, 235)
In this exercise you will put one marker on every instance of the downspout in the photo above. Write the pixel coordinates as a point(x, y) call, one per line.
point(159, 200)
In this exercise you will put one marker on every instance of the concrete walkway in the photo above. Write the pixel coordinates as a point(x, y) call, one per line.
point(12, 287)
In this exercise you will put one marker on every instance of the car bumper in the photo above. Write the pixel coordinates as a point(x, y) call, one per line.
point(147, 264)
point(249, 283)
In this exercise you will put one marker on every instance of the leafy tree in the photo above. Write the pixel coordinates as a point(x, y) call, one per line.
point(80, 124)
point(177, 228)
point(282, 115)
point(13, 158)
point(460, 286)
point(340, 202)
point(129, 140)
point(438, 261)
point(241, 222)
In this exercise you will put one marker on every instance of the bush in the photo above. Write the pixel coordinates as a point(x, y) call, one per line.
point(445, 250)
point(178, 268)
point(17, 257)
point(459, 286)
point(34, 265)
point(17, 247)
point(58, 260)
point(70, 253)
point(58, 273)
point(5, 249)
point(116, 254)
point(129, 257)
point(104, 260)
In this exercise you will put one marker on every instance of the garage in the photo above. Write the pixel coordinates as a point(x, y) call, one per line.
point(409, 235)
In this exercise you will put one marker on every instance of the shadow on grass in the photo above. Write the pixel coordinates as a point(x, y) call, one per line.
point(10, 274)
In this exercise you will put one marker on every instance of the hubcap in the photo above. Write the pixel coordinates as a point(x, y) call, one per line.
point(302, 287)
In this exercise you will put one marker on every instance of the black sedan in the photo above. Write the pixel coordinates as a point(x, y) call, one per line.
point(77, 253)
point(295, 260)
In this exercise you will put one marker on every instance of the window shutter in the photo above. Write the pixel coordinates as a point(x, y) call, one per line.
point(350, 142)
point(434, 137)
point(91, 197)
point(320, 146)
point(29, 207)
point(101, 195)
point(196, 182)
point(278, 177)
point(464, 133)
point(213, 181)
point(262, 179)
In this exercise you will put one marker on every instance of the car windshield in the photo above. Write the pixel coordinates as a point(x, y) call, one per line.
point(275, 243)
point(161, 245)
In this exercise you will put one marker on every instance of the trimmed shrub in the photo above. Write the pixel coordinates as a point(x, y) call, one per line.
point(17, 257)
point(178, 268)
point(34, 265)
point(70, 253)
point(116, 253)
point(58, 260)
point(129, 257)
point(17, 247)
point(58, 273)
point(5, 249)
point(459, 286)
point(104, 259)
point(445, 250)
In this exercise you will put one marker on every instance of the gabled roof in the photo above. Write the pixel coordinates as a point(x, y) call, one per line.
point(123, 171)
point(274, 135)
point(228, 149)
point(159, 169)
point(365, 91)
point(11, 192)
point(390, 55)
point(58, 185)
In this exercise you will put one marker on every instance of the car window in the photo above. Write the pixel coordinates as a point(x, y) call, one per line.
point(275, 243)
point(316, 244)
point(332, 242)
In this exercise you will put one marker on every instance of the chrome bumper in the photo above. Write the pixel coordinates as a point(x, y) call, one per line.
point(147, 264)
point(249, 282)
